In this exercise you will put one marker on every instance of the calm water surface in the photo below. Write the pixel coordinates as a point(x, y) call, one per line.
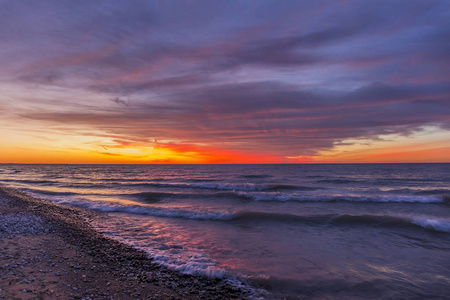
point(304, 231)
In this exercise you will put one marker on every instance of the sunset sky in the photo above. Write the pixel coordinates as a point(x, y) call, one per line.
point(224, 81)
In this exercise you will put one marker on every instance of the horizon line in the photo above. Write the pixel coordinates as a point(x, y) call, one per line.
point(160, 164)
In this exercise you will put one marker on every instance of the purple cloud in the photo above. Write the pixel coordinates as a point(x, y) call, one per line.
point(292, 77)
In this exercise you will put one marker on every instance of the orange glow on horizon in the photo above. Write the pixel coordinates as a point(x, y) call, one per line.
point(55, 148)
point(194, 154)
point(160, 154)
point(390, 155)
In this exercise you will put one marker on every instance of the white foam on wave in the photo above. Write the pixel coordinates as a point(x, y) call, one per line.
point(166, 251)
point(225, 187)
point(433, 224)
point(161, 246)
point(231, 187)
point(151, 211)
point(192, 262)
point(270, 196)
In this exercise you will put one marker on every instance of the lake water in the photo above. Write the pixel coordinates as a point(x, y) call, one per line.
point(304, 231)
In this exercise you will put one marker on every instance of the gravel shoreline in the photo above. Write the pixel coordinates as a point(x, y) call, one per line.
point(50, 252)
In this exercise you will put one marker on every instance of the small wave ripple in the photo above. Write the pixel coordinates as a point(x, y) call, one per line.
point(441, 225)
point(150, 211)
point(229, 187)
point(435, 224)
point(267, 196)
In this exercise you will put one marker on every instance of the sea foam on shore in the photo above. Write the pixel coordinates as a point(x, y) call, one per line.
point(60, 255)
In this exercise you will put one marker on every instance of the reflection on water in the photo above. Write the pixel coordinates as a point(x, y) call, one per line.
point(315, 231)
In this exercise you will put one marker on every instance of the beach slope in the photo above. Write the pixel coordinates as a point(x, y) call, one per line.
point(48, 251)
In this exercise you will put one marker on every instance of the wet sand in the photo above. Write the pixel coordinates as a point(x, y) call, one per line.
point(48, 251)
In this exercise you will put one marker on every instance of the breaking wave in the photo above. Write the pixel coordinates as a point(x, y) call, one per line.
point(441, 225)
point(256, 176)
point(228, 187)
point(43, 182)
point(150, 211)
point(338, 181)
point(336, 198)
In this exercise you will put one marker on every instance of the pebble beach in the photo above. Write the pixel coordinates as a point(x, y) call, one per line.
point(48, 251)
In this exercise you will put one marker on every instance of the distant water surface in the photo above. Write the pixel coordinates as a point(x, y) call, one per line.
point(304, 231)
